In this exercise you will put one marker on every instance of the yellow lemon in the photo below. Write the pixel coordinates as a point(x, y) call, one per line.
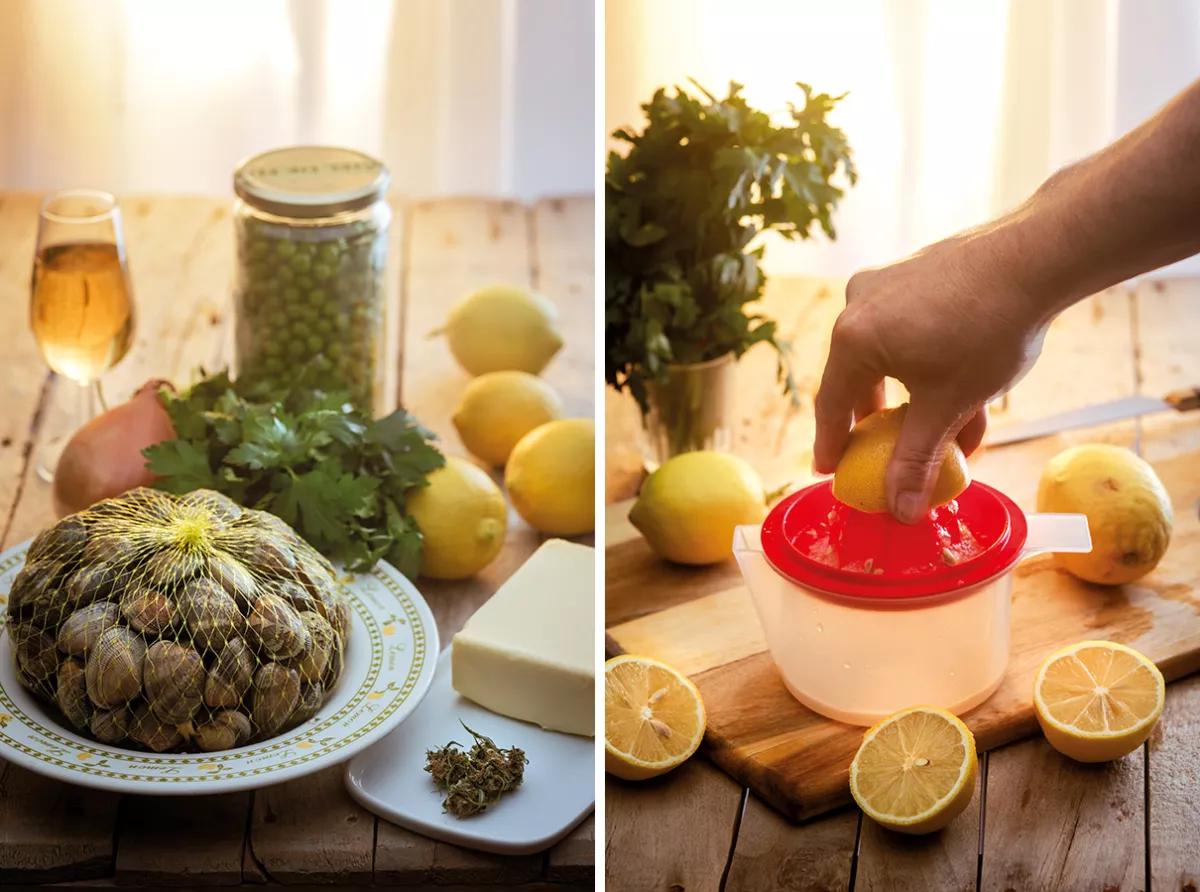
point(1127, 507)
point(653, 717)
point(860, 480)
point(498, 408)
point(503, 327)
point(462, 518)
point(551, 477)
point(687, 509)
point(1098, 700)
point(915, 771)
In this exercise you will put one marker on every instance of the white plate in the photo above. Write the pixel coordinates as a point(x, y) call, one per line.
point(558, 791)
point(388, 669)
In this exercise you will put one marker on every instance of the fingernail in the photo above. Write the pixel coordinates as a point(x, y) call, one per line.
point(908, 507)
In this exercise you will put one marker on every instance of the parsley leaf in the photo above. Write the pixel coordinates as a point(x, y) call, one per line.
point(309, 456)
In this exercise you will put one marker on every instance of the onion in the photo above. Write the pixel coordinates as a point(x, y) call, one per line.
point(104, 457)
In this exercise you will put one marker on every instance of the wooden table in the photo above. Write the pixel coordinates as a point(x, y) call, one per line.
point(1038, 821)
point(307, 831)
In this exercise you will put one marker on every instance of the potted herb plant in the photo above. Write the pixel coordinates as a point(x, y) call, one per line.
point(685, 204)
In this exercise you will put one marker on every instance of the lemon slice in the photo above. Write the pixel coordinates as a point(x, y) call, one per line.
point(1098, 700)
point(653, 717)
point(915, 771)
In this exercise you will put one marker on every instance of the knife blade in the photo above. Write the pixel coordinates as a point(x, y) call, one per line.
point(1096, 414)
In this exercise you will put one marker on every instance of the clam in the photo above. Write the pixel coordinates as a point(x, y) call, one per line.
point(210, 614)
point(34, 584)
point(110, 725)
point(80, 630)
point(91, 582)
point(271, 557)
point(151, 732)
point(71, 693)
point(146, 610)
point(171, 567)
point(225, 730)
point(312, 661)
point(117, 549)
point(62, 542)
point(333, 670)
point(173, 676)
point(36, 654)
point(230, 675)
point(232, 575)
point(277, 627)
point(114, 667)
point(311, 698)
point(274, 697)
point(219, 506)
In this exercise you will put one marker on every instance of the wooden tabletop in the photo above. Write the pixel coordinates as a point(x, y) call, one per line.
point(307, 831)
point(1038, 821)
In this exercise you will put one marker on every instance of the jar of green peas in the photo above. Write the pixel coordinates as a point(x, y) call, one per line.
point(311, 225)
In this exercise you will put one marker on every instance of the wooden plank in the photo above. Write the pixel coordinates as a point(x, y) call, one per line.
point(402, 858)
point(309, 830)
point(573, 860)
point(182, 840)
point(673, 832)
point(1174, 782)
point(773, 854)
point(52, 832)
point(946, 861)
point(1057, 824)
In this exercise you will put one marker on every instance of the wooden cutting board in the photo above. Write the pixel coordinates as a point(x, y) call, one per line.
point(705, 624)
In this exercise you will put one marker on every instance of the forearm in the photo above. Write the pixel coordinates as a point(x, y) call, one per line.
point(1130, 208)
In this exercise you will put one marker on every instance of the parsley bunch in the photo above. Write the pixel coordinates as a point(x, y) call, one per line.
point(703, 179)
point(307, 455)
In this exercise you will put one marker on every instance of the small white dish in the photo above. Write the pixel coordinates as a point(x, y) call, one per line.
point(388, 669)
point(558, 790)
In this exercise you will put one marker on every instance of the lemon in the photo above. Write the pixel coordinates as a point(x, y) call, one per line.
point(1098, 700)
point(687, 509)
point(653, 717)
point(462, 518)
point(498, 408)
point(551, 477)
point(915, 771)
point(1127, 507)
point(503, 327)
point(860, 479)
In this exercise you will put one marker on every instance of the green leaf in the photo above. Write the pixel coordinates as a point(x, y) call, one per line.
point(183, 465)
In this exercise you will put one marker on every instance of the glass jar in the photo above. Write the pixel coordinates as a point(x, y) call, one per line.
point(691, 408)
point(311, 225)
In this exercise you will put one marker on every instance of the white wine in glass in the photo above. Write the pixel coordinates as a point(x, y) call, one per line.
point(81, 306)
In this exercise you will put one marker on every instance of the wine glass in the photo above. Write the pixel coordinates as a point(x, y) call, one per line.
point(81, 302)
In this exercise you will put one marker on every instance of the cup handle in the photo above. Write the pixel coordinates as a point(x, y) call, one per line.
point(1057, 532)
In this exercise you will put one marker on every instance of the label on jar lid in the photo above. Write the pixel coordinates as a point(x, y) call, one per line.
point(310, 180)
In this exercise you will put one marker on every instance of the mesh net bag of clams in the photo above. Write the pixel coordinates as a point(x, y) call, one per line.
point(177, 623)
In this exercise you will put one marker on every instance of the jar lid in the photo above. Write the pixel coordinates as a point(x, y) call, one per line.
point(310, 181)
point(817, 542)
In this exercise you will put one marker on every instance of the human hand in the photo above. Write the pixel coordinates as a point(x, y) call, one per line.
point(956, 326)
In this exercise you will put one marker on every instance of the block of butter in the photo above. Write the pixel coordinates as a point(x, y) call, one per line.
point(529, 651)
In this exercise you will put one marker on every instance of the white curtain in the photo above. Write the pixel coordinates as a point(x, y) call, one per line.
point(484, 97)
point(957, 110)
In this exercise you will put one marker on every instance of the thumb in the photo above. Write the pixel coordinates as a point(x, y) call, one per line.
point(928, 426)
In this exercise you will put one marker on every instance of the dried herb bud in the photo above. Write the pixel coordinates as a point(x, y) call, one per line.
point(475, 779)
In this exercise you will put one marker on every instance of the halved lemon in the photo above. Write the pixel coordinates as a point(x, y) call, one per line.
point(915, 770)
point(1098, 700)
point(653, 717)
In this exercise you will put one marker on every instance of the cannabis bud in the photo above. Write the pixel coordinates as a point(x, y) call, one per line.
point(474, 779)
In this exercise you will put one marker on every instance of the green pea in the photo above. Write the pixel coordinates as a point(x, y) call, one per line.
point(291, 294)
point(317, 297)
point(304, 283)
point(331, 251)
point(322, 272)
point(301, 263)
point(315, 343)
point(285, 248)
point(296, 349)
point(334, 350)
point(286, 274)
